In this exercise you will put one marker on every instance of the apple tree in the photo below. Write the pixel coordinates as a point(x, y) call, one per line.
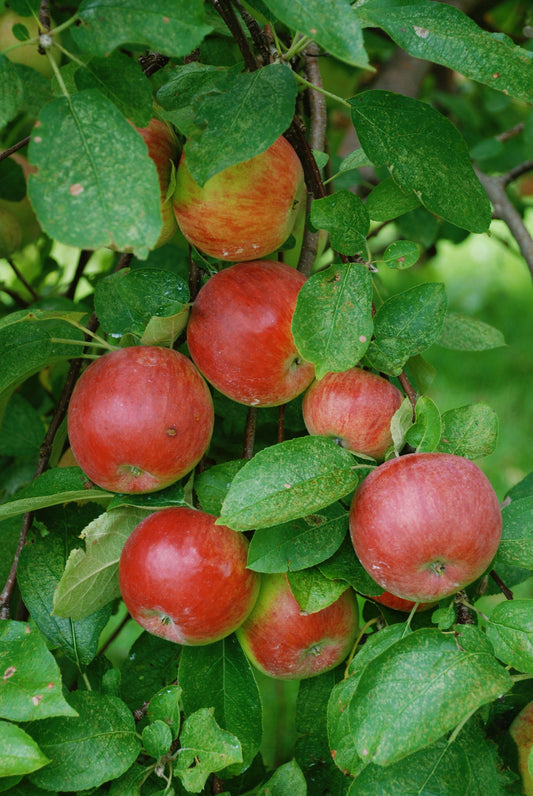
point(255, 193)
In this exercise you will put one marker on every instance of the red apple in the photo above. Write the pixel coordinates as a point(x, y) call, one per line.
point(185, 579)
point(163, 149)
point(521, 731)
point(240, 337)
point(139, 419)
point(425, 525)
point(284, 642)
point(398, 604)
point(246, 211)
point(355, 407)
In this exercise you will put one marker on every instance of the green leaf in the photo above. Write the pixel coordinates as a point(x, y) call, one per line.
point(287, 481)
point(173, 495)
point(150, 666)
point(298, 544)
point(242, 121)
point(219, 676)
point(510, 629)
point(401, 254)
point(171, 27)
point(156, 738)
point(20, 753)
point(425, 154)
point(470, 431)
point(90, 578)
point(387, 201)
point(445, 35)
point(97, 745)
point(166, 706)
point(11, 91)
point(121, 79)
point(355, 160)
point(462, 333)
point(127, 300)
point(95, 183)
point(449, 677)
point(40, 568)
point(516, 546)
point(332, 323)
point(287, 778)
point(53, 487)
point(212, 485)
point(344, 565)
point(30, 687)
point(333, 24)
point(345, 217)
point(314, 591)
point(424, 435)
point(405, 325)
point(22, 429)
point(205, 748)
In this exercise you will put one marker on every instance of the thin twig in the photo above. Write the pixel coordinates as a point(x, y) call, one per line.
point(22, 279)
point(15, 148)
point(83, 259)
point(259, 37)
point(227, 13)
point(249, 433)
point(506, 591)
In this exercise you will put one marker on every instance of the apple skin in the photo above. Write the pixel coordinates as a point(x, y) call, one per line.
point(355, 407)
point(246, 211)
point(286, 643)
point(22, 211)
point(139, 419)
point(185, 579)
point(521, 731)
point(398, 604)
point(425, 525)
point(27, 54)
point(239, 333)
point(163, 149)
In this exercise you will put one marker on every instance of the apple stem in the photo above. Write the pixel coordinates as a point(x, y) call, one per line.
point(249, 433)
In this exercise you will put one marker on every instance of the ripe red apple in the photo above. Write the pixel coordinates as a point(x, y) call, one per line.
point(163, 149)
point(355, 407)
point(425, 525)
point(27, 54)
point(521, 731)
point(240, 337)
point(139, 419)
point(398, 604)
point(284, 642)
point(246, 211)
point(185, 579)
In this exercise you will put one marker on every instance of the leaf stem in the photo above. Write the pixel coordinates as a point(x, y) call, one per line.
point(357, 642)
point(323, 91)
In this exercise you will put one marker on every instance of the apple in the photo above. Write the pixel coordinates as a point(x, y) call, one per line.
point(287, 643)
point(521, 731)
point(184, 578)
point(240, 336)
point(163, 149)
point(139, 419)
point(425, 525)
point(398, 604)
point(22, 211)
point(27, 54)
point(355, 408)
point(246, 211)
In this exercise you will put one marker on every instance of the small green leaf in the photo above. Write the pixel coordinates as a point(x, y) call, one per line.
point(387, 201)
point(171, 27)
point(345, 217)
point(289, 480)
point(344, 565)
point(401, 422)
point(95, 183)
point(332, 323)
point(425, 433)
point(510, 629)
point(470, 431)
point(288, 778)
point(90, 579)
point(205, 748)
point(462, 333)
point(516, 546)
point(11, 91)
point(156, 738)
point(425, 154)
point(30, 687)
point(97, 745)
point(355, 160)
point(165, 706)
point(212, 485)
point(405, 325)
point(20, 753)
point(313, 591)
point(401, 254)
point(333, 24)
point(298, 544)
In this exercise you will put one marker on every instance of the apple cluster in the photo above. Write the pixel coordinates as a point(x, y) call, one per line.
point(424, 525)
